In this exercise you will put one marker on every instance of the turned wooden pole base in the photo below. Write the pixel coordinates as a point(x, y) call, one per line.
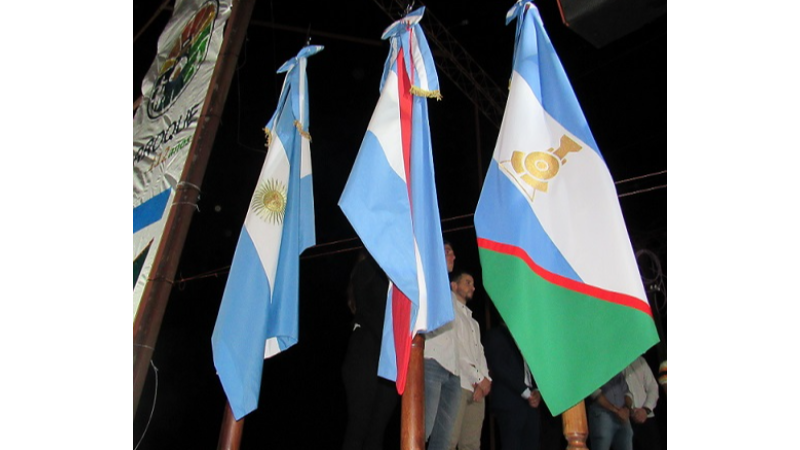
point(576, 430)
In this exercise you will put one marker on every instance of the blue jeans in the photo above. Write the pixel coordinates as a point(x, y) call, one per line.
point(442, 395)
point(607, 431)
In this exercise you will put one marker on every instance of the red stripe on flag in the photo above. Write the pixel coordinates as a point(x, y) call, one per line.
point(404, 86)
point(401, 317)
point(567, 283)
point(401, 305)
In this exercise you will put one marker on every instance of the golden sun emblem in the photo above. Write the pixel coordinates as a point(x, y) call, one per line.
point(536, 169)
point(269, 201)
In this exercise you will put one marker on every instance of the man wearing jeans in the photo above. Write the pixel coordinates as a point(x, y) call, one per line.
point(609, 416)
point(442, 382)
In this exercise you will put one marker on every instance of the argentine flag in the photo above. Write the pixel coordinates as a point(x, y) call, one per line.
point(390, 198)
point(258, 315)
point(555, 253)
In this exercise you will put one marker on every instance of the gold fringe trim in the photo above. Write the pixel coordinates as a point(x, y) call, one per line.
point(302, 132)
point(419, 92)
point(297, 125)
point(268, 136)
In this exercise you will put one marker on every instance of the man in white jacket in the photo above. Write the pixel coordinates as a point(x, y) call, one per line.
point(643, 390)
point(474, 373)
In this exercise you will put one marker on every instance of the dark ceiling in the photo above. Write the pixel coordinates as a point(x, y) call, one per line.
point(621, 87)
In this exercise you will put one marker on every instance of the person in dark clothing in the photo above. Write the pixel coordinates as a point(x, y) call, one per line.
point(514, 400)
point(371, 400)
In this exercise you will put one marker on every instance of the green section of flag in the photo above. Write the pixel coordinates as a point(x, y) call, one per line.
point(572, 342)
point(138, 262)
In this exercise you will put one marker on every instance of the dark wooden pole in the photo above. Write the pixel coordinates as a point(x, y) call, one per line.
point(412, 424)
point(156, 294)
point(230, 433)
point(576, 429)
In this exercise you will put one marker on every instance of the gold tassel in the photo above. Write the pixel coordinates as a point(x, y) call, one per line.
point(268, 135)
point(419, 92)
point(299, 127)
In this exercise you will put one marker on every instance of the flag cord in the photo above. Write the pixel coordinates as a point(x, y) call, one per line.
point(186, 183)
point(196, 187)
point(155, 397)
point(165, 280)
point(151, 20)
point(187, 203)
point(640, 191)
point(641, 177)
point(216, 272)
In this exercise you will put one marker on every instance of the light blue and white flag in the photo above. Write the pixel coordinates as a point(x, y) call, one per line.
point(555, 254)
point(390, 198)
point(259, 311)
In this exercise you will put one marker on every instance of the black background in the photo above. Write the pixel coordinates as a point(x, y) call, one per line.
point(621, 87)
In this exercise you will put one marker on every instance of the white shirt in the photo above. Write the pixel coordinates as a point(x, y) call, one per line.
point(440, 346)
point(471, 359)
point(642, 385)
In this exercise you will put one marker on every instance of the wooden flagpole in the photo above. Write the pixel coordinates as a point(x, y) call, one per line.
point(412, 423)
point(230, 433)
point(156, 294)
point(576, 429)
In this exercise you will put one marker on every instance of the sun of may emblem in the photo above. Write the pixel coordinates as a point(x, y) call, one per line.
point(269, 201)
point(536, 169)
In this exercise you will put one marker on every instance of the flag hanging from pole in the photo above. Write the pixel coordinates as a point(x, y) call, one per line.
point(173, 93)
point(258, 314)
point(555, 254)
point(390, 198)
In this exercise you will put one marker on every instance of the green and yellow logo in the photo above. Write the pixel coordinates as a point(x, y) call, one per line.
point(188, 51)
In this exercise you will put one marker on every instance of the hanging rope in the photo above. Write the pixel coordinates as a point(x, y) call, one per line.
point(153, 18)
point(641, 177)
point(155, 397)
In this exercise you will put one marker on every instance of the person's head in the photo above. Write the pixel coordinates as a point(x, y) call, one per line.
point(463, 285)
point(449, 256)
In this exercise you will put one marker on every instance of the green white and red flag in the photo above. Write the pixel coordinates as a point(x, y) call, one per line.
point(555, 253)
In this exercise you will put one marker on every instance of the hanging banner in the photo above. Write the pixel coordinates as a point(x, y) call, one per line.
point(173, 92)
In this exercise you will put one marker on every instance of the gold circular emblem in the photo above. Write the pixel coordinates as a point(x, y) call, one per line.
point(542, 165)
point(269, 201)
